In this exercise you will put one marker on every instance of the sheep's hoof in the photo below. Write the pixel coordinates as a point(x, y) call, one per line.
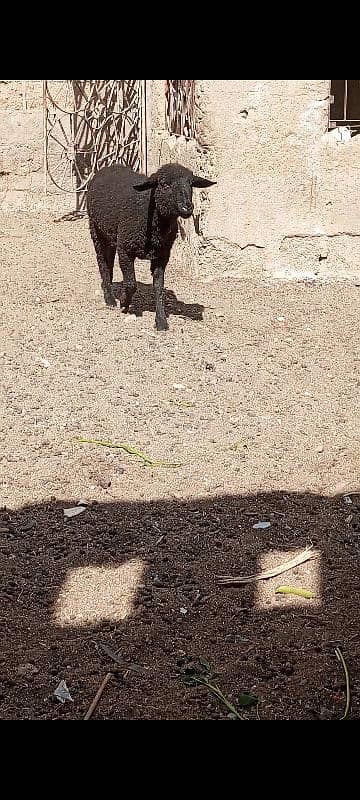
point(110, 301)
point(162, 325)
point(126, 297)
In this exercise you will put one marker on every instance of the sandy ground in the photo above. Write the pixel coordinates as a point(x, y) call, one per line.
point(254, 392)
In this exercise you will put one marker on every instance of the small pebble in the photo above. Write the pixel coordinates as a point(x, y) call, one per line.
point(27, 670)
point(105, 483)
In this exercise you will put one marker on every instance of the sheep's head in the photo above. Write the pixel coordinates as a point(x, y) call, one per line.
point(173, 186)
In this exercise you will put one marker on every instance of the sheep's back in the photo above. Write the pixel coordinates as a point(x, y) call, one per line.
point(112, 202)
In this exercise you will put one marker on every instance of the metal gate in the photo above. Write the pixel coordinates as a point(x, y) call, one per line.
point(89, 125)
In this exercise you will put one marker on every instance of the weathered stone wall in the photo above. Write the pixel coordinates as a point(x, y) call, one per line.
point(286, 201)
point(22, 150)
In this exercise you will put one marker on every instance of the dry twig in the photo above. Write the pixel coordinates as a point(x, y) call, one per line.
point(306, 555)
point(148, 462)
point(97, 697)
point(340, 658)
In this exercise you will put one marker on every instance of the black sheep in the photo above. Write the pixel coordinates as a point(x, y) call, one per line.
point(137, 217)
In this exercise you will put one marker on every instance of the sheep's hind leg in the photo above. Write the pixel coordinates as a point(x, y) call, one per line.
point(105, 255)
point(110, 258)
point(158, 272)
point(129, 280)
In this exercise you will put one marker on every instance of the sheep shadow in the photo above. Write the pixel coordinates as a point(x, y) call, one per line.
point(140, 579)
point(144, 300)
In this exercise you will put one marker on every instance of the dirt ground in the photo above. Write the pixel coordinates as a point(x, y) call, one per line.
point(254, 393)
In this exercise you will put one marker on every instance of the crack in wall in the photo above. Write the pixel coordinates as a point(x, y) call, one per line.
point(221, 241)
point(318, 235)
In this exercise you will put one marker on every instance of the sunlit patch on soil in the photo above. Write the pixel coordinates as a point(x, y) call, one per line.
point(91, 595)
point(304, 576)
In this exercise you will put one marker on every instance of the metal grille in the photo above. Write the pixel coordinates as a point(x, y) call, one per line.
point(345, 104)
point(180, 108)
point(89, 125)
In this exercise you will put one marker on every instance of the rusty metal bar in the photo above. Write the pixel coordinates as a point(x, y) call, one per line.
point(180, 108)
point(345, 99)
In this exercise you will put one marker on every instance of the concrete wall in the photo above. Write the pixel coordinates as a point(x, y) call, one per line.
point(287, 198)
point(21, 150)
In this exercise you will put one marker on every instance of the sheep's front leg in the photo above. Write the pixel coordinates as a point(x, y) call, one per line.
point(129, 280)
point(158, 271)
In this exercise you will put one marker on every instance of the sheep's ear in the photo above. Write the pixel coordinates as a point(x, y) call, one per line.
point(202, 183)
point(144, 187)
